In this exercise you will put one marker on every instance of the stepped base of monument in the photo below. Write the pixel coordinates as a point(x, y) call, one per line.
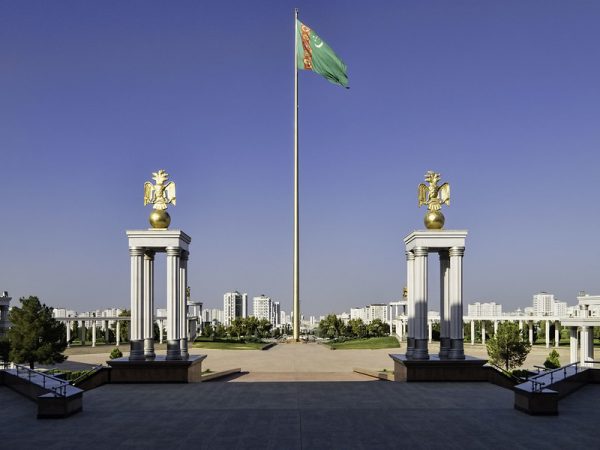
point(158, 370)
point(436, 369)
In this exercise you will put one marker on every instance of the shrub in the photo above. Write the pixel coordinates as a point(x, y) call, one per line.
point(116, 353)
point(552, 361)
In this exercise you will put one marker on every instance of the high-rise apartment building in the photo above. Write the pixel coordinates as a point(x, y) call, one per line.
point(234, 305)
point(543, 304)
point(262, 308)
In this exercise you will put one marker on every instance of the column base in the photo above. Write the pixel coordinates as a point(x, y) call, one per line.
point(421, 352)
point(444, 347)
point(149, 349)
point(136, 350)
point(410, 347)
point(183, 348)
point(173, 350)
point(457, 350)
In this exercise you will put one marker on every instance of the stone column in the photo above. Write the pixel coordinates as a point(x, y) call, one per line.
point(429, 331)
point(183, 321)
point(556, 333)
point(160, 330)
point(586, 346)
point(106, 332)
point(520, 325)
point(547, 334)
point(456, 308)
point(573, 344)
point(495, 328)
point(136, 340)
point(149, 305)
point(482, 327)
point(530, 327)
point(444, 303)
point(93, 333)
point(410, 325)
point(118, 333)
point(173, 303)
point(68, 333)
point(472, 332)
point(420, 303)
point(82, 332)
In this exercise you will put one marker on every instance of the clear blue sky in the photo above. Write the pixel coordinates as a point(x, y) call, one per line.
point(502, 98)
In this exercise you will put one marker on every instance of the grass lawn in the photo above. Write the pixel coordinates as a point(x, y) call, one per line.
point(220, 345)
point(367, 344)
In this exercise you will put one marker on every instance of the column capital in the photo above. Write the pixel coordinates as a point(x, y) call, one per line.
point(457, 251)
point(410, 256)
point(173, 251)
point(136, 251)
point(420, 251)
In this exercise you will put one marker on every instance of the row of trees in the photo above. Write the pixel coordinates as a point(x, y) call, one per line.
point(242, 327)
point(333, 327)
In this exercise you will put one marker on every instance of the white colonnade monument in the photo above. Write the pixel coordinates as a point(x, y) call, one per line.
point(143, 246)
point(143, 364)
point(450, 363)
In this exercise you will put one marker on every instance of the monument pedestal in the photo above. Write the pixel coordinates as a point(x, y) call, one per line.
point(157, 370)
point(436, 369)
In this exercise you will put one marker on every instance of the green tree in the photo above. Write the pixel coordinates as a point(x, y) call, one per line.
point(552, 361)
point(357, 328)
point(4, 349)
point(508, 348)
point(377, 328)
point(35, 335)
point(264, 328)
point(251, 324)
point(74, 331)
point(208, 330)
point(331, 327)
point(115, 353)
point(219, 331)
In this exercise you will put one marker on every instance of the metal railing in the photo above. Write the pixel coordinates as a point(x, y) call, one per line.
point(58, 387)
point(507, 373)
point(86, 374)
point(537, 386)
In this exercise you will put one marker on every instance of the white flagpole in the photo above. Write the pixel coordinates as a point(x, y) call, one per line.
point(296, 218)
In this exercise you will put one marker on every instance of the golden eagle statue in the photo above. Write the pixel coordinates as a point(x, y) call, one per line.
point(434, 197)
point(159, 196)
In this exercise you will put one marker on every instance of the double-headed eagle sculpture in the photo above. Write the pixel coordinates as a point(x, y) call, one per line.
point(159, 195)
point(434, 197)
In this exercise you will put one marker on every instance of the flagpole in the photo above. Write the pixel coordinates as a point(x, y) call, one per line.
point(296, 209)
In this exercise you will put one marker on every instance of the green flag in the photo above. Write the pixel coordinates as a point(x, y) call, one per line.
point(314, 54)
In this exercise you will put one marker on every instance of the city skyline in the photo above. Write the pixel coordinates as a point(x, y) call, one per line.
point(502, 99)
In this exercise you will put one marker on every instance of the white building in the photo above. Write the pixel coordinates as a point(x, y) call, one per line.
point(211, 315)
point(561, 309)
point(276, 315)
point(488, 309)
point(234, 305)
point(378, 311)
point(358, 313)
point(371, 312)
point(543, 304)
point(262, 308)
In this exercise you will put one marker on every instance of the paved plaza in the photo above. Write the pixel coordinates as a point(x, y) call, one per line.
point(315, 361)
point(319, 414)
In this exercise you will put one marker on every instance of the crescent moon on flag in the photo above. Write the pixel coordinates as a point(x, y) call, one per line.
point(319, 45)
